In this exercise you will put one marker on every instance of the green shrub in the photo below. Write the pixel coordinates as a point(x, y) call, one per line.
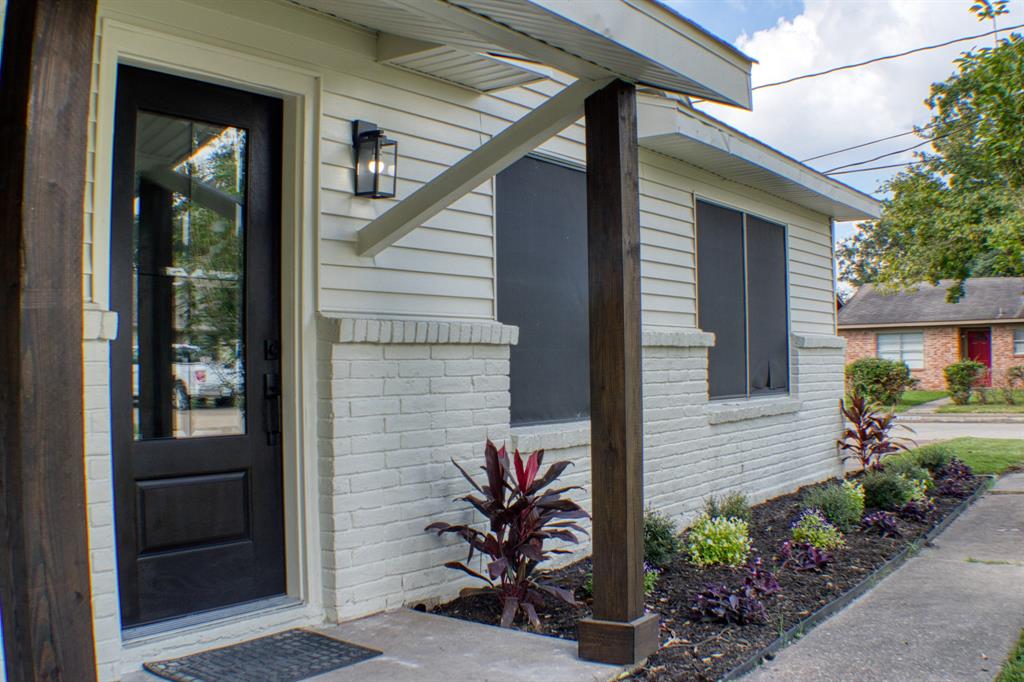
point(841, 504)
point(960, 379)
point(885, 490)
point(661, 539)
point(909, 469)
point(731, 506)
point(718, 541)
point(880, 381)
point(813, 529)
point(933, 457)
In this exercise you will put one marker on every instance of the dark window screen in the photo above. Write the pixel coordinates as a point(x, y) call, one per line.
point(542, 288)
point(721, 300)
point(766, 309)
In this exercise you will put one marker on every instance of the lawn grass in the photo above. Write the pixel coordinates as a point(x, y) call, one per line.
point(987, 455)
point(915, 398)
point(1013, 669)
point(996, 403)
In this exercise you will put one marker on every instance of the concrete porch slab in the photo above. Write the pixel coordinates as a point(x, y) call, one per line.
point(421, 647)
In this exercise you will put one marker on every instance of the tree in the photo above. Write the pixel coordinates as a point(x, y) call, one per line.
point(958, 212)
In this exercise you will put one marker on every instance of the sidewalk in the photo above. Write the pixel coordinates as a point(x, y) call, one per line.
point(952, 613)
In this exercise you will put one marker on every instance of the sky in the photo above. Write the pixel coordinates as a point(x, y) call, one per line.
point(819, 115)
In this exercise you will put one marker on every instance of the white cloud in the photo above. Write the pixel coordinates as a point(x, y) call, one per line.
point(823, 114)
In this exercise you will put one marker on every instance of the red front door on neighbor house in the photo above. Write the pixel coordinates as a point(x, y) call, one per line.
point(977, 346)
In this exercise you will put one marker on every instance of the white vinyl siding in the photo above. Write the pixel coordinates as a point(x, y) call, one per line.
point(1018, 341)
point(445, 268)
point(906, 347)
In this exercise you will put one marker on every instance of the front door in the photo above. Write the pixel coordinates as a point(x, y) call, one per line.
point(977, 346)
point(195, 375)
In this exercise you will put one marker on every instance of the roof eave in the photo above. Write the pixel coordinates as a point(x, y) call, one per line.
point(663, 121)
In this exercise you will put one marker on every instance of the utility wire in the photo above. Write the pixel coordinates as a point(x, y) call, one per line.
point(884, 58)
point(862, 170)
point(898, 151)
point(866, 144)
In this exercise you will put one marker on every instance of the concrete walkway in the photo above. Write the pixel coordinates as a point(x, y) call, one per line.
point(952, 613)
point(927, 408)
point(928, 432)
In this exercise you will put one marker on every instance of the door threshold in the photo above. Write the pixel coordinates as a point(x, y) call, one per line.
point(132, 635)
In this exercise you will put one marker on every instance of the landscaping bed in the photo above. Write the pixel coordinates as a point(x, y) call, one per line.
point(694, 649)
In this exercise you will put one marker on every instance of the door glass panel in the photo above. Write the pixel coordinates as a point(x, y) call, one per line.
point(188, 327)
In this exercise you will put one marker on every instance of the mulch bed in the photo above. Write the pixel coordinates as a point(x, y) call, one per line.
point(695, 650)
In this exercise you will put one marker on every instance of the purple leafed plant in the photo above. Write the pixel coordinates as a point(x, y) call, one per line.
point(955, 479)
point(867, 439)
point(760, 579)
point(916, 510)
point(803, 556)
point(522, 515)
point(718, 603)
point(881, 522)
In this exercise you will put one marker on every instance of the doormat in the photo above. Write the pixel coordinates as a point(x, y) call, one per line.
point(285, 657)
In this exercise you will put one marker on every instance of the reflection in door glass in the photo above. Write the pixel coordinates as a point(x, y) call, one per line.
point(188, 331)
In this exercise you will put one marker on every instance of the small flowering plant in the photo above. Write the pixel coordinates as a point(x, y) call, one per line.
point(718, 541)
point(812, 528)
point(881, 522)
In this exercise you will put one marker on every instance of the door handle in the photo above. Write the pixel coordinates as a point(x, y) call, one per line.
point(272, 407)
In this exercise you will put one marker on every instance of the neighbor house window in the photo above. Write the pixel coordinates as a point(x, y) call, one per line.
point(906, 347)
point(741, 298)
point(1018, 341)
point(541, 218)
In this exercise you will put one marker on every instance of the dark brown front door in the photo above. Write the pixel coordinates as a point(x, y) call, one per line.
point(977, 346)
point(195, 375)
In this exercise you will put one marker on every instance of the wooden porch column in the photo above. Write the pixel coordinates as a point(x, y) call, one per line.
point(619, 631)
point(44, 561)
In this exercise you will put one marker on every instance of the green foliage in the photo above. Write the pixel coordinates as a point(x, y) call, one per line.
point(886, 490)
point(908, 468)
point(732, 506)
point(1013, 669)
point(960, 379)
point(718, 541)
point(880, 381)
point(932, 457)
point(988, 455)
point(661, 539)
point(813, 529)
point(957, 213)
point(841, 504)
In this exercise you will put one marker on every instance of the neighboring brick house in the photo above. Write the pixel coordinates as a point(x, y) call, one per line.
point(928, 333)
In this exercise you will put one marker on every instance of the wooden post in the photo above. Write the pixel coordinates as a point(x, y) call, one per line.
point(44, 561)
point(619, 631)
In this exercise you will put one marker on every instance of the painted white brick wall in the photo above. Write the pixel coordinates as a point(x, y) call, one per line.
point(394, 409)
point(392, 413)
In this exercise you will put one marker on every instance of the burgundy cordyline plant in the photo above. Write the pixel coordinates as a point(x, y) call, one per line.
point(867, 439)
point(522, 516)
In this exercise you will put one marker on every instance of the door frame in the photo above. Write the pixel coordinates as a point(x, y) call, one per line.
point(964, 332)
point(123, 42)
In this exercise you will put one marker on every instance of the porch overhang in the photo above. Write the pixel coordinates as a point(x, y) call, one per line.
point(673, 129)
point(637, 41)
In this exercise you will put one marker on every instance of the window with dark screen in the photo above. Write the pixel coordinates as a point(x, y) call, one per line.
point(541, 216)
point(741, 298)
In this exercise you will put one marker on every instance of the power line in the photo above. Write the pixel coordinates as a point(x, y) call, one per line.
point(884, 58)
point(882, 156)
point(867, 144)
point(872, 168)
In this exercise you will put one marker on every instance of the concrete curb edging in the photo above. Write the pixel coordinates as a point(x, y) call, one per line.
point(841, 602)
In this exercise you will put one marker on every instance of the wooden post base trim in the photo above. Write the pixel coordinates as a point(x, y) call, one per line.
point(607, 641)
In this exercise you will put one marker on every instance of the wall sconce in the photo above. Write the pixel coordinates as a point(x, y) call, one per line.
point(376, 161)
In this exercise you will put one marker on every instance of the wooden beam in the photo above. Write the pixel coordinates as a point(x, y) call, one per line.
point(619, 632)
point(44, 564)
point(482, 163)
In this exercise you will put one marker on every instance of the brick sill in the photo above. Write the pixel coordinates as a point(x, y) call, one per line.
point(723, 413)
